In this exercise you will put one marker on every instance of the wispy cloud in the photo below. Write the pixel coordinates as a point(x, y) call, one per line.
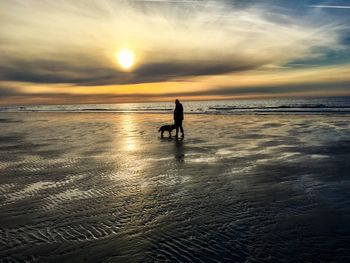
point(331, 6)
point(78, 41)
point(169, 1)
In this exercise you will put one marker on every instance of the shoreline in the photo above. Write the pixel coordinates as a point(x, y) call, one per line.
point(266, 113)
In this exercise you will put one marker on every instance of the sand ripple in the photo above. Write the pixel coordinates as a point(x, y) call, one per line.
point(91, 188)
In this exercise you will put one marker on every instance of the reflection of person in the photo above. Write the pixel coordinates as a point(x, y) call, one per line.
point(179, 150)
point(178, 118)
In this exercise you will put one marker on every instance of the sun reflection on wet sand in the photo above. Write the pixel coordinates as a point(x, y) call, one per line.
point(128, 139)
point(126, 154)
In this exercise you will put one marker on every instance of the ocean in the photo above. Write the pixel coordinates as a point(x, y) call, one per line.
point(338, 105)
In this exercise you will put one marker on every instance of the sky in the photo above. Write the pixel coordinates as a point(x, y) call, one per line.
point(66, 52)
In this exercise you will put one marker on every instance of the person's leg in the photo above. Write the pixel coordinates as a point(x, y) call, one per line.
point(181, 128)
point(177, 128)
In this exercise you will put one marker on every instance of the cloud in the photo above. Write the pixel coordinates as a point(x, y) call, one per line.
point(278, 90)
point(7, 92)
point(75, 42)
point(341, 88)
point(168, 1)
point(93, 74)
point(53, 71)
point(331, 6)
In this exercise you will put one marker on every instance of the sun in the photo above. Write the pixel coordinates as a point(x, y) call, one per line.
point(125, 58)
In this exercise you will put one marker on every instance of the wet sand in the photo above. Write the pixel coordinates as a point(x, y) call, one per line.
point(104, 187)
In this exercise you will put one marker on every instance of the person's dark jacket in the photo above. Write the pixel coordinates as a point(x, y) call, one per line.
point(178, 112)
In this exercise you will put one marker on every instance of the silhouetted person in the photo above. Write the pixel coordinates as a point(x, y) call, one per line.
point(178, 118)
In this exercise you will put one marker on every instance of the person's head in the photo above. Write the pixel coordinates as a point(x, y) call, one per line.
point(177, 101)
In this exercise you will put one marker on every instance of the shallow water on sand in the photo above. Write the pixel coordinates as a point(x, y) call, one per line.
point(105, 187)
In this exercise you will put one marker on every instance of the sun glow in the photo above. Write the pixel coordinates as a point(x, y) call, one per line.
point(125, 58)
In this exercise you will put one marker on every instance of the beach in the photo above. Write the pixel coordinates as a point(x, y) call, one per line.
point(105, 187)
